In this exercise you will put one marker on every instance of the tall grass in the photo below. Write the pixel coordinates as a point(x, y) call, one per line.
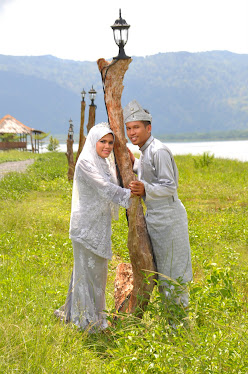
point(15, 155)
point(36, 262)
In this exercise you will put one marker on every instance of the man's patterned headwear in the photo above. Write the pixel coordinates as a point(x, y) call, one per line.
point(134, 112)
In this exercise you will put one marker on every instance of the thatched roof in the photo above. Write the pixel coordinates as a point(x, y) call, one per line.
point(10, 125)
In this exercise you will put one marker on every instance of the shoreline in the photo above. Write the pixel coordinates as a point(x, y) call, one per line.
point(231, 149)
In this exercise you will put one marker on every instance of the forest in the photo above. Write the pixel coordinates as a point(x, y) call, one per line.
point(188, 94)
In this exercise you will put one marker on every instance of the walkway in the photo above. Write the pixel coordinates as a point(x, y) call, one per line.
point(18, 166)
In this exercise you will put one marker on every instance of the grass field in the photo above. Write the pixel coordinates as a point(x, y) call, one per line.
point(16, 155)
point(36, 262)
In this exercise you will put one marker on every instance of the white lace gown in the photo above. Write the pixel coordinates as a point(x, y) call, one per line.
point(94, 194)
point(90, 232)
point(85, 303)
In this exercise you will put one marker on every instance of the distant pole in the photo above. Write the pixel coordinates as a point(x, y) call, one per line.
point(69, 153)
point(82, 137)
point(92, 110)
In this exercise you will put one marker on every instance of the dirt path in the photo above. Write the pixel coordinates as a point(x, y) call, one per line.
point(19, 166)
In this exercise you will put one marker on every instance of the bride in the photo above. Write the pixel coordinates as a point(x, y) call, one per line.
point(95, 193)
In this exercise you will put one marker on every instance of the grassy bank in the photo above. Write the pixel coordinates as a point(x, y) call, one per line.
point(15, 155)
point(36, 262)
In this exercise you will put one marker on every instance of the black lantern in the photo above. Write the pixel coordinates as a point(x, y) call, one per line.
point(83, 93)
point(70, 132)
point(92, 94)
point(120, 29)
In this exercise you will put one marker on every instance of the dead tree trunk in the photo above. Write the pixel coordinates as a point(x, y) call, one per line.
point(82, 137)
point(70, 158)
point(92, 117)
point(139, 244)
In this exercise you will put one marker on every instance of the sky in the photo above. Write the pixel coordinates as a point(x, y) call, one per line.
point(80, 29)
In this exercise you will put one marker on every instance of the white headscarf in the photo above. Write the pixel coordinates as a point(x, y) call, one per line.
point(104, 165)
point(89, 152)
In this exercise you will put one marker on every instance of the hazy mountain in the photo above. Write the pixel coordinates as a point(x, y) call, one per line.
point(185, 92)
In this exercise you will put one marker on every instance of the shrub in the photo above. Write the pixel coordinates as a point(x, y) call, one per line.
point(204, 161)
point(53, 144)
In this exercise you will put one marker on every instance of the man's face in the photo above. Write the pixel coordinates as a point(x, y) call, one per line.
point(138, 133)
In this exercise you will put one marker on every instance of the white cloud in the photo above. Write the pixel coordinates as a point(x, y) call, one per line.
point(4, 3)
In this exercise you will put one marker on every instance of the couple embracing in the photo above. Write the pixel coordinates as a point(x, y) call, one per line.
point(95, 195)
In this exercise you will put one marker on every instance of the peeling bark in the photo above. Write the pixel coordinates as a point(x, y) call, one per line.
point(82, 137)
point(139, 244)
point(92, 117)
point(123, 286)
point(69, 155)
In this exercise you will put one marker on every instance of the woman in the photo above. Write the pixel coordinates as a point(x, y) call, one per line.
point(94, 193)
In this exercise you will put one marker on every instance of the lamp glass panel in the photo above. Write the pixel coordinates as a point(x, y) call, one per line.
point(117, 36)
point(92, 96)
point(124, 36)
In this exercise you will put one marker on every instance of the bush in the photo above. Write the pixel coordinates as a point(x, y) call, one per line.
point(204, 161)
point(53, 144)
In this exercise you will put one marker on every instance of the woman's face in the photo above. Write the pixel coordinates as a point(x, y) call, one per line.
point(105, 145)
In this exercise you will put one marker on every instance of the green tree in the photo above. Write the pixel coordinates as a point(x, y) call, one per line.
point(53, 144)
point(8, 137)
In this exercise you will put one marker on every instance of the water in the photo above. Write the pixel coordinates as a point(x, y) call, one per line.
point(228, 149)
point(235, 149)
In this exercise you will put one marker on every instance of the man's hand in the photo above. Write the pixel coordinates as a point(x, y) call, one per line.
point(137, 188)
point(132, 158)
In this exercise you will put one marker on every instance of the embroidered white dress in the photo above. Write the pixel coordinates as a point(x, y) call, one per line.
point(90, 231)
point(166, 216)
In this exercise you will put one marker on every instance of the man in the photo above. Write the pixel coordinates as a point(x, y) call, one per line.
point(166, 217)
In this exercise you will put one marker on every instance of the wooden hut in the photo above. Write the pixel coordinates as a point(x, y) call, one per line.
point(11, 126)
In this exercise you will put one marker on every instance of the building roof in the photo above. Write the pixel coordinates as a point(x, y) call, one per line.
point(10, 125)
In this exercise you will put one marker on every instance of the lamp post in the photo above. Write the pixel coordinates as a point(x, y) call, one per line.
point(83, 94)
point(139, 245)
point(92, 109)
point(92, 95)
point(70, 131)
point(69, 153)
point(82, 137)
point(120, 30)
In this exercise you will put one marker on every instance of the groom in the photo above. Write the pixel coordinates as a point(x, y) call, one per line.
point(166, 217)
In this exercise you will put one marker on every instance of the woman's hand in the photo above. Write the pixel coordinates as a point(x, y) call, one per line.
point(137, 188)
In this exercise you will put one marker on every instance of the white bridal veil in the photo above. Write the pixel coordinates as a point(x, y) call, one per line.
point(104, 166)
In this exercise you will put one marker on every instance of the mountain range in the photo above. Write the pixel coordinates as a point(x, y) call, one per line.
point(185, 92)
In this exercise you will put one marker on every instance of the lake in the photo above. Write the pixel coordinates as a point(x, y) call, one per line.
point(234, 149)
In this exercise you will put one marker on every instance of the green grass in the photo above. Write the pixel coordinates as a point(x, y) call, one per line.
point(15, 155)
point(36, 262)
